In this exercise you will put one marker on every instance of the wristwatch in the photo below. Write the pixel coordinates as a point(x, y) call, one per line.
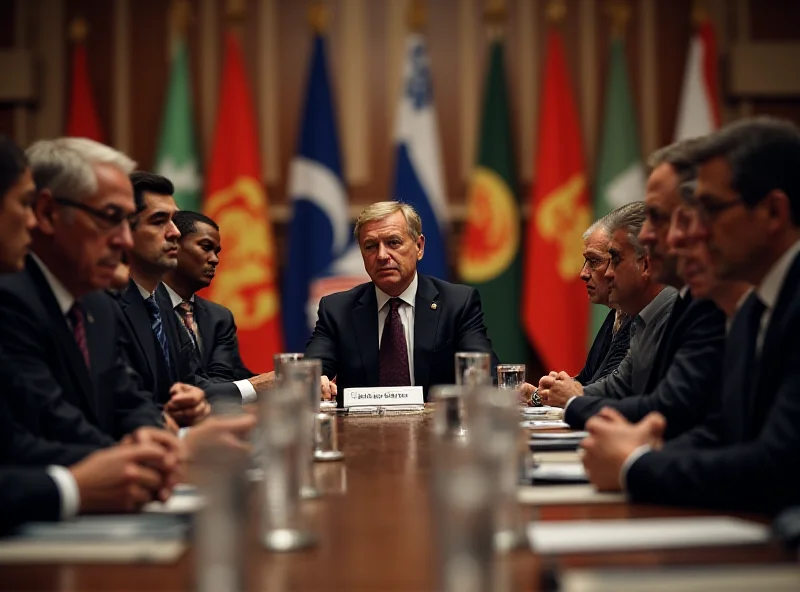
point(535, 400)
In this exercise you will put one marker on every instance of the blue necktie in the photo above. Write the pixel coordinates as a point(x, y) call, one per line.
point(158, 329)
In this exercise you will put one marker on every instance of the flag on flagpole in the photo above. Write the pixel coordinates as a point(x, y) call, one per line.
point(323, 256)
point(490, 257)
point(555, 312)
point(698, 110)
point(82, 119)
point(237, 200)
point(176, 156)
point(418, 177)
point(620, 174)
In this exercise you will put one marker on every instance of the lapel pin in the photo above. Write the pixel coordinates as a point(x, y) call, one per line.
point(89, 317)
point(434, 306)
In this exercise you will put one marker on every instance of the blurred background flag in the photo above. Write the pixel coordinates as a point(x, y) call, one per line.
point(237, 200)
point(322, 256)
point(620, 174)
point(418, 177)
point(176, 156)
point(82, 119)
point(698, 110)
point(555, 311)
point(490, 247)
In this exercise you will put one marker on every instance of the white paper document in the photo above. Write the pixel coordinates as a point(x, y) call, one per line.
point(555, 495)
point(570, 472)
point(545, 424)
point(560, 436)
point(583, 536)
point(545, 410)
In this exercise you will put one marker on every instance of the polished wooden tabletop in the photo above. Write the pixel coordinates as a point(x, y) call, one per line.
point(375, 531)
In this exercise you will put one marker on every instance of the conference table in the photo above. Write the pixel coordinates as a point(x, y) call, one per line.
point(375, 531)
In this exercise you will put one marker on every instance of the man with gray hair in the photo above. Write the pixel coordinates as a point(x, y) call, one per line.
point(682, 371)
point(402, 328)
point(61, 335)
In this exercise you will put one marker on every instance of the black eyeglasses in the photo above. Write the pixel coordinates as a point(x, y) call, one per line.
point(111, 216)
point(594, 263)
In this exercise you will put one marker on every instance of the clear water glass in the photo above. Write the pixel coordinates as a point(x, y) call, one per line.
point(510, 376)
point(473, 368)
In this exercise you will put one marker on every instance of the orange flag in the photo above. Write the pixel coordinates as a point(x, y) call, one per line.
point(82, 120)
point(555, 311)
point(237, 200)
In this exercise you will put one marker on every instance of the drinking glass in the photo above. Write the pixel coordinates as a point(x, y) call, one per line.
point(280, 359)
point(448, 416)
point(510, 376)
point(473, 368)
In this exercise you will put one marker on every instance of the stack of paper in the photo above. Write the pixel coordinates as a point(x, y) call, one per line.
point(556, 495)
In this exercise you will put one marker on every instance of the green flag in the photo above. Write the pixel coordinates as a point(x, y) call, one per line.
point(177, 156)
point(490, 254)
point(620, 175)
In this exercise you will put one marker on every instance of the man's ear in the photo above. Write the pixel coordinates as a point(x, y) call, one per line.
point(778, 209)
point(420, 246)
point(46, 212)
point(646, 269)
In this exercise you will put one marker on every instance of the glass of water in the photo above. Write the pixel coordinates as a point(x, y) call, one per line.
point(510, 376)
point(473, 368)
point(279, 360)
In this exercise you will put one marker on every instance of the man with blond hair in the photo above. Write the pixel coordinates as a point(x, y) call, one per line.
point(402, 328)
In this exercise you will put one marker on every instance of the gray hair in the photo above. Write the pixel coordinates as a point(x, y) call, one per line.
point(65, 165)
point(680, 156)
point(597, 225)
point(629, 218)
point(383, 209)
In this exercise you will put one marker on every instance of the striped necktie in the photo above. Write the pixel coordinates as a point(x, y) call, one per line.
point(158, 329)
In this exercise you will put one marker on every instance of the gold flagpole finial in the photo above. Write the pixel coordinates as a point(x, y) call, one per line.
point(417, 15)
point(180, 14)
point(318, 16)
point(556, 11)
point(236, 11)
point(495, 17)
point(78, 30)
point(699, 12)
point(620, 13)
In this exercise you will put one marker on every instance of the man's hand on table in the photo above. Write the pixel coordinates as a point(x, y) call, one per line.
point(328, 388)
point(612, 439)
point(557, 388)
point(187, 404)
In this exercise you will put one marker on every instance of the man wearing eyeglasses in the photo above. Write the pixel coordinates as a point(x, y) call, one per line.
point(685, 366)
point(745, 455)
point(60, 336)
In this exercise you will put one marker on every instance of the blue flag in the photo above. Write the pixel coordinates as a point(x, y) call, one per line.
point(323, 256)
point(418, 177)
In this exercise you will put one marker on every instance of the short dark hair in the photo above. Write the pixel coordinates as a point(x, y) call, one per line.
point(13, 163)
point(764, 155)
point(680, 156)
point(186, 221)
point(143, 181)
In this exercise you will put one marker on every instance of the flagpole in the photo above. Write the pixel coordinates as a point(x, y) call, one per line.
point(180, 14)
point(317, 17)
point(235, 15)
point(494, 15)
point(417, 16)
point(556, 12)
point(78, 30)
point(619, 11)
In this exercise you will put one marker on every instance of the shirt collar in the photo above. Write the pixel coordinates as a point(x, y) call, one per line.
point(145, 294)
point(771, 285)
point(174, 296)
point(648, 311)
point(683, 292)
point(64, 298)
point(408, 296)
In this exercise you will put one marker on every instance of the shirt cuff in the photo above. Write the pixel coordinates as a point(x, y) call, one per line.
point(247, 390)
point(571, 399)
point(632, 458)
point(67, 489)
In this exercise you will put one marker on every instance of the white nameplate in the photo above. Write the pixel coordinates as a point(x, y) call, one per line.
point(383, 396)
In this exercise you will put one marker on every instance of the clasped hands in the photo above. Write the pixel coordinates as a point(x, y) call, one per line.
point(555, 389)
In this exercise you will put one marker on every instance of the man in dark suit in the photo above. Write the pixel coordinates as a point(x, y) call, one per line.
point(401, 328)
point(165, 367)
point(59, 337)
point(685, 370)
point(209, 326)
point(745, 454)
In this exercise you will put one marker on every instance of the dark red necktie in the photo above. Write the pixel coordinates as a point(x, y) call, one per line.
point(394, 350)
point(77, 317)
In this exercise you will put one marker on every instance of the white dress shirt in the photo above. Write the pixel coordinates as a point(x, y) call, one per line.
point(68, 490)
point(63, 297)
point(407, 311)
point(246, 389)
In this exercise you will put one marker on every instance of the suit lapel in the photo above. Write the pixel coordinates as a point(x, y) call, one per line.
point(666, 343)
point(365, 323)
point(205, 326)
point(426, 322)
point(134, 309)
point(76, 363)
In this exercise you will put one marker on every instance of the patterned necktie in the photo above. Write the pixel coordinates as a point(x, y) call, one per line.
point(618, 320)
point(393, 354)
point(77, 318)
point(158, 329)
point(185, 311)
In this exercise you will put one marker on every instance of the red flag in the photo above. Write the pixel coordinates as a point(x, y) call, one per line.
point(237, 200)
point(82, 120)
point(555, 312)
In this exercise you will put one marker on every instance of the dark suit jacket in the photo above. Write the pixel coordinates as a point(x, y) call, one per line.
point(752, 440)
point(346, 335)
point(190, 367)
point(607, 350)
point(57, 397)
point(684, 376)
point(27, 494)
